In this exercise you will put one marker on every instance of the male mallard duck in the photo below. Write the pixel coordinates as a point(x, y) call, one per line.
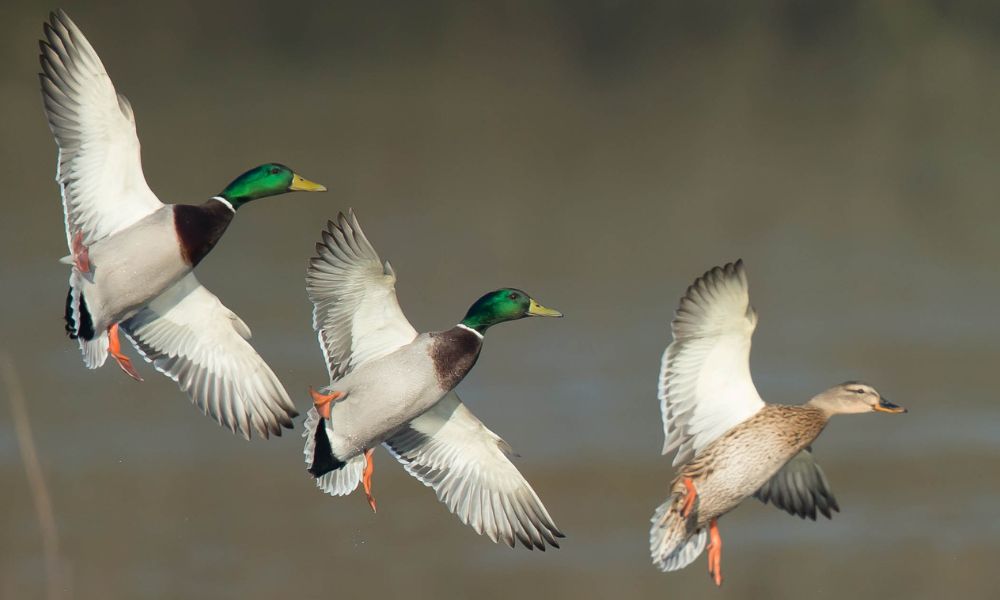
point(390, 385)
point(731, 444)
point(132, 256)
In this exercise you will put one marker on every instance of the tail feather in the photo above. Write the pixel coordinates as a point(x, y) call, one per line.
point(95, 351)
point(672, 543)
point(79, 322)
point(80, 325)
point(70, 314)
point(333, 476)
point(344, 480)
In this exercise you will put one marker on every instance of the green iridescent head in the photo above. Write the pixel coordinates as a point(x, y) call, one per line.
point(267, 180)
point(507, 304)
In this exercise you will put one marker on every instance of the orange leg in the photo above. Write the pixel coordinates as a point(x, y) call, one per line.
point(689, 499)
point(81, 256)
point(322, 401)
point(115, 349)
point(715, 552)
point(366, 479)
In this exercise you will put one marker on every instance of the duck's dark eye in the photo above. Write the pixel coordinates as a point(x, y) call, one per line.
point(858, 391)
point(274, 170)
point(513, 296)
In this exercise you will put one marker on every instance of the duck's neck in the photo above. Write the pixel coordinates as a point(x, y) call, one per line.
point(479, 334)
point(805, 422)
point(454, 353)
point(200, 227)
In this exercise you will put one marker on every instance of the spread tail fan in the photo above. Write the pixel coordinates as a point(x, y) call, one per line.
point(671, 544)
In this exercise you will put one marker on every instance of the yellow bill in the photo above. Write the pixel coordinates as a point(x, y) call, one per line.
point(301, 184)
point(537, 310)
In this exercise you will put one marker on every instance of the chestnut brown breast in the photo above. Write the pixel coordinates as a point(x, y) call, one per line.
point(454, 353)
point(200, 227)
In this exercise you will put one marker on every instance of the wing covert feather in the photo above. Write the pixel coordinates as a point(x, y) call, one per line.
point(468, 466)
point(191, 337)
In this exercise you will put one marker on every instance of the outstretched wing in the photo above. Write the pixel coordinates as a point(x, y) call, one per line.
point(355, 311)
point(705, 386)
point(100, 172)
point(450, 450)
point(191, 337)
point(800, 488)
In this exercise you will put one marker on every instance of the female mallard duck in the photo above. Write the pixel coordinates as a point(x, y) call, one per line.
point(731, 444)
point(132, 256)
point(390, 385)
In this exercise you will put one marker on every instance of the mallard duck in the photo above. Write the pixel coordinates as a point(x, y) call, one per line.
point(730, 444)
point(390, 385)
point(132, 256)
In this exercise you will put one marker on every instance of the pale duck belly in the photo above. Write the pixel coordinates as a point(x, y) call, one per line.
point(742, 466)
point(383, 395)
point(133, 267)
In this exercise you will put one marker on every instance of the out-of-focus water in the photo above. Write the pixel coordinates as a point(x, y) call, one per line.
point(598, 157)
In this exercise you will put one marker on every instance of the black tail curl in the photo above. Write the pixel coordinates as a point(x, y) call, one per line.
point(70, 323)
point(323, 460)
point(85, 329)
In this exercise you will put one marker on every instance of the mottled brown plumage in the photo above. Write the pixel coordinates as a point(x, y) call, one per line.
point(745, 457)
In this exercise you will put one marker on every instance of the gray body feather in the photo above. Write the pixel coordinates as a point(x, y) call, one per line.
point(381, 396)
point(124, 280)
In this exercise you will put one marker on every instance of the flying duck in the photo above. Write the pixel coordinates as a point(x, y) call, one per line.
point(729, 443)
point(132, 257)
point(393, 386)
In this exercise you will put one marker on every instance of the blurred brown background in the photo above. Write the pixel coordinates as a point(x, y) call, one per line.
point(598, 155)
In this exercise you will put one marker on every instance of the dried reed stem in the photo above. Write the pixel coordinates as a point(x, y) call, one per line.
point(36, 480)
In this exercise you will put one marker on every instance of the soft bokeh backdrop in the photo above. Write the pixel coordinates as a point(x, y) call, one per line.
point(598, 155)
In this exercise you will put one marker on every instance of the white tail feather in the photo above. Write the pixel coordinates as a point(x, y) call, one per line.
point(342, 481)
point(671, 545)
point(95, 351)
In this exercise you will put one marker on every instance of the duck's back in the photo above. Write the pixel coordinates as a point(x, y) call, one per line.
point(384, 394)
point(739, 462)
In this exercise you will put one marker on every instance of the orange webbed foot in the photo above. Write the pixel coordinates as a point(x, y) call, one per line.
point(366, 479)
point(715, 553)
point(115, 350)
point(322, 401)
point(692, 495)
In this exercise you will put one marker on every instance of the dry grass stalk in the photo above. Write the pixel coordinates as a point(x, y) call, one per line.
point(36, 480)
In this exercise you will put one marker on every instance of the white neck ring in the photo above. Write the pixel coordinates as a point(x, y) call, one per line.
point(467, 328)
point(224, 201)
